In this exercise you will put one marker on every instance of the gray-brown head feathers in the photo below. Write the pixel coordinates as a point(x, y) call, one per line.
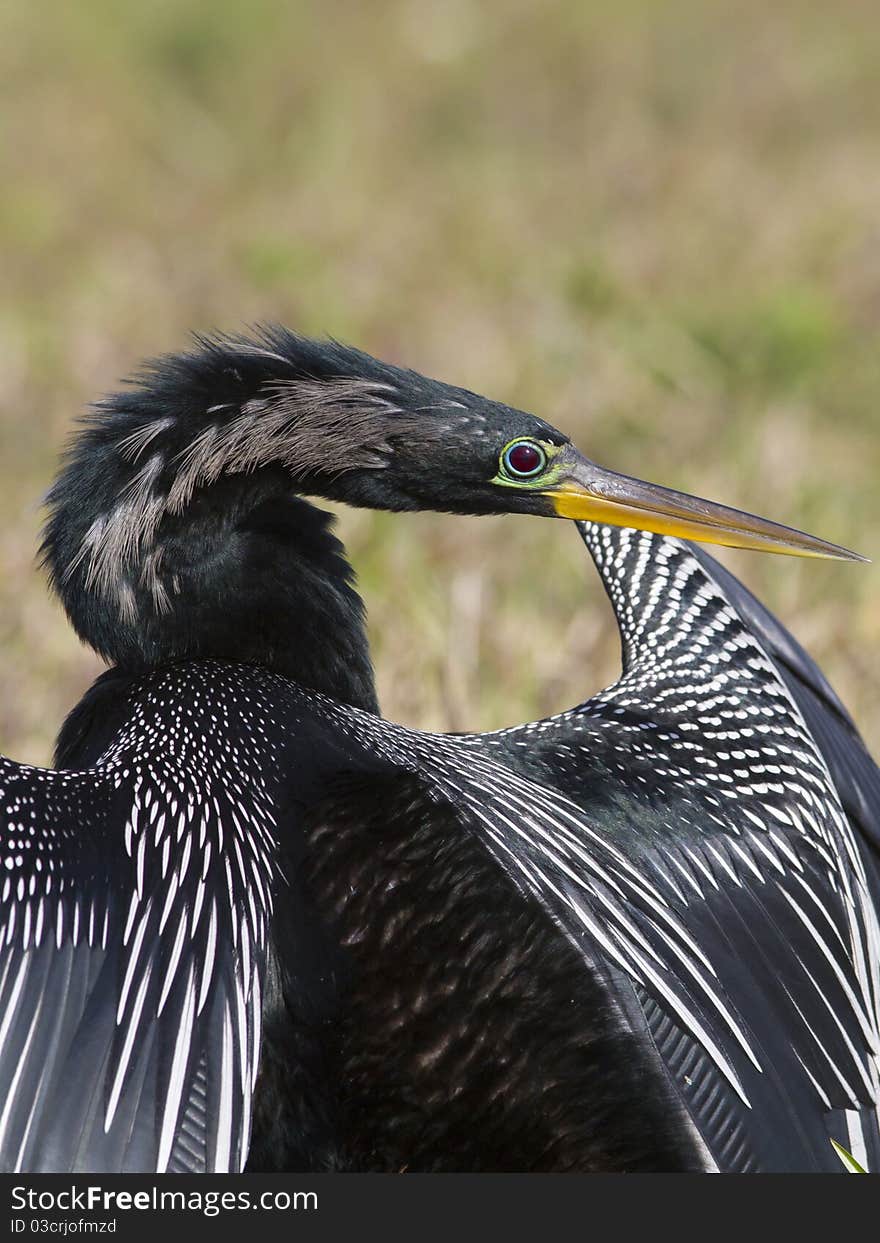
point(232, 407)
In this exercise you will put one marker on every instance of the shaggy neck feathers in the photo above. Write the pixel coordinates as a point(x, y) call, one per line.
point(175, 528)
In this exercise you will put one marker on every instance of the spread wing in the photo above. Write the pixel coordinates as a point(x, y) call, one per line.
point(686, 828)
point(725, 772)
point(133, 922)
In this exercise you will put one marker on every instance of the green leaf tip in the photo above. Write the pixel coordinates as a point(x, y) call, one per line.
point(852, 1165)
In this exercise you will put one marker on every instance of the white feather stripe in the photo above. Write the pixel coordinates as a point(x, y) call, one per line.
point(257, 1011)
point(131, 965)
point(34, 1095)
point(198, 903)
point(611, 948)
point(629, 929)
point(241, 1028)
point(543, 850)
point(782, 845)
point(141, 862)
point(533, 874)
point(710, 991)
point(208, 963)
point(856, 1135)
point(233, 906)
point(860, 915)
point(554, 844)
point(184, 859)
point(757, 843)
point(246, 1102)
point(746, 858)
point(9, 960)
point(693, 1024)
point(180, 1060)
point(810, 892)
point(169, 899)
point(816, 1085)
point(127, 1045)
point(240, 864)
point(256, 924)
point(166, 856)
point(861, 1061)
point(830, 1062)
point(670, 881)
point(223, 1145)
point(700, 864)
point(685, 874)
point(12, 1091)
point(9, 1015)
point(176, 950)
point(664, 913)
point(245, 959)
point(854, 1002)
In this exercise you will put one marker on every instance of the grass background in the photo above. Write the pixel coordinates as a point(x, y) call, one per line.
point(654, 224)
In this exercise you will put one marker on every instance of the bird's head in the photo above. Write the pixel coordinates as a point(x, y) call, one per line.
point(496, 460)
point(176, 526)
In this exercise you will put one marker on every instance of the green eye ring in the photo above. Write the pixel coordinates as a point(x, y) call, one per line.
point(523, 459)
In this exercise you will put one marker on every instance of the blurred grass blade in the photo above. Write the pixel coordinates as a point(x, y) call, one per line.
point(852, 1165)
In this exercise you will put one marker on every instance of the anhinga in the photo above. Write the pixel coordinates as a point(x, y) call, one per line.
point(245, 919)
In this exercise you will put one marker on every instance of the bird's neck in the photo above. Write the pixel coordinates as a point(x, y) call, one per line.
point(251, 573)
point(290, 604)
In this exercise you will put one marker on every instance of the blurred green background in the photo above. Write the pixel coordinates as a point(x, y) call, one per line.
point(657, 225)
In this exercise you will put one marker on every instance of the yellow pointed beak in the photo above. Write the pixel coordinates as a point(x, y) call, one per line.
point(590, 493)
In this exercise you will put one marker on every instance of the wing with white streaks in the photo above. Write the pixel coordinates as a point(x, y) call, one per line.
point(133, 924)
point(732, 883)
point(753, 965)
point(855, 775)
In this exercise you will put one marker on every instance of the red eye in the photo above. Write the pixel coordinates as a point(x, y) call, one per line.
point(523, 458)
